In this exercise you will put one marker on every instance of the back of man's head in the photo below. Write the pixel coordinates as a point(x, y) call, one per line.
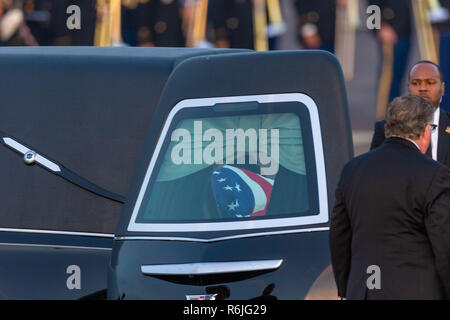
point(407, 117)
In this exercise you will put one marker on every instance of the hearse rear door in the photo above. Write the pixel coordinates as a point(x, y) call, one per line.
point(232, 195)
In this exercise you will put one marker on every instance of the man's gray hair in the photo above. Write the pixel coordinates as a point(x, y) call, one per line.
point(407, 117)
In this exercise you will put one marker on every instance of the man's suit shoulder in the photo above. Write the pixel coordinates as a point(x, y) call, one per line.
point(447, 114)
point(351, 165)
point(380, 154)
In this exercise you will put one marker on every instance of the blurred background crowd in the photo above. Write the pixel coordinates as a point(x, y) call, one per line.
point(410, 30)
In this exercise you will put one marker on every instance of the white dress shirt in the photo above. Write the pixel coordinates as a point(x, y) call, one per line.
point(435, 134)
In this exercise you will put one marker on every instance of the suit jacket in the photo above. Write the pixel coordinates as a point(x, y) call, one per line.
point(443, 152)
point(392, 210)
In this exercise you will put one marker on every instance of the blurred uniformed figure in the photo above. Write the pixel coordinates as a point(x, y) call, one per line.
point(394, 38)
point(129, 21)
point(233, 23)
point(441, 20)
point(38, 18)
point(100, 22)
point(13, 28)
point(197, 25)
point(330, 25)
point(316, 23)
point(60, 33)
point(248, 24)
point(153, 23)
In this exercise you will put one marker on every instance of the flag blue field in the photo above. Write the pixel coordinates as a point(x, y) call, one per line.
point(241, 193)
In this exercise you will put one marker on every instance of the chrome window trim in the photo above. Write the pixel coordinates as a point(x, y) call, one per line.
point(64, 233)
point(235, 237)
point(52, 246)
point(207, 268)
point(321, 217)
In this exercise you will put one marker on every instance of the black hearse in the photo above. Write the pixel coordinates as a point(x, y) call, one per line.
point(176, 173)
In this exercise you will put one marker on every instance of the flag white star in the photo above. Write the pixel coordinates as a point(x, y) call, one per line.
point(228, 188)
point(232, 206)
point(221, 180)
point(238, 187)
point(216, 172)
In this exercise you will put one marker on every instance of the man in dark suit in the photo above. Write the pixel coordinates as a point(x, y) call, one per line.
point(425, 80)
point(392, 213)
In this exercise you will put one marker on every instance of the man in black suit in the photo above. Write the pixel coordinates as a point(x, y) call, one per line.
point(425, 80)
point(392, 212)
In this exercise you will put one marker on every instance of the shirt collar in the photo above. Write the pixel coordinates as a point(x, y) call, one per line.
point(437, 112)
point(414, 143)
point(406, 140)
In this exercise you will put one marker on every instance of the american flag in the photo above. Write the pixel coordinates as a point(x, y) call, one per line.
point(241, 193)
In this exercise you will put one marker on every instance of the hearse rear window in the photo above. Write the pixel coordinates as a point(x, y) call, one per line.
point(233, 162)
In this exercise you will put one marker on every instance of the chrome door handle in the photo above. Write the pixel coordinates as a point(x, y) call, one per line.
point(205, 268)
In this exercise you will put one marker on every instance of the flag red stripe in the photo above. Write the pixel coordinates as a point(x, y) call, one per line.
point(265, 185)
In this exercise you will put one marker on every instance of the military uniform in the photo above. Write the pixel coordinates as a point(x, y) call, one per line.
point(129, 21)
point(319, 17)
point(8, 38)
point(153, 22)
point(232, 21)
point(444, 53)
point(393, 63)
point(16, 32)
point(233, 24)
point(60, 33)
point(38, 16)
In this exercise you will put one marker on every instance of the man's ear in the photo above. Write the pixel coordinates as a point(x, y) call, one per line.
point(424, 140)
point(429, 129)
point(425, 133)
